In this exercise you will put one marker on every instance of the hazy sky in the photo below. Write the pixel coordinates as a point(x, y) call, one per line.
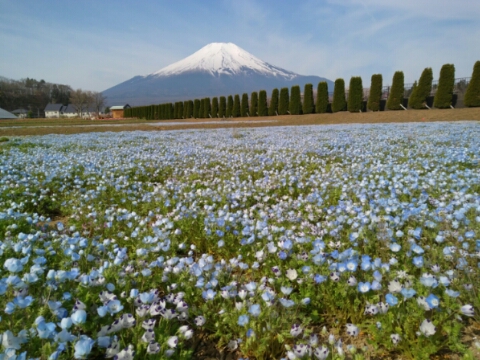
point(96, 44)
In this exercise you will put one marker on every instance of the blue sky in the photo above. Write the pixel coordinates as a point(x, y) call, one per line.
point(96, 44)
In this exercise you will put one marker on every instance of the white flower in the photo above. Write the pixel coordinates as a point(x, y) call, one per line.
point(427, 328)
point(467, 310)
point(321, 353)
point(395, 338)
point(172, 342)
point(352, 330)
point(394, 286)
point(292, 274)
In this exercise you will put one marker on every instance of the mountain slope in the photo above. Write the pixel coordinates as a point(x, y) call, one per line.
point(218, 69)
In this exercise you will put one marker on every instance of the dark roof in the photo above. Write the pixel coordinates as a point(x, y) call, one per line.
point(20, 111)
point(4, 114)
point(54, 107)
point(120, 107)
point(69, 109)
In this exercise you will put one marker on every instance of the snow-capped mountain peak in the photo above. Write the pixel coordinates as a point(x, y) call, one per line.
point(223, 58)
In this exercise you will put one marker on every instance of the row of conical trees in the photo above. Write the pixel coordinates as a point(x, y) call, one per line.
point(284, 102)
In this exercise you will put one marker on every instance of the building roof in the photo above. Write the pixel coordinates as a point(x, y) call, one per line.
point(69, 109)
point(20, 111)
point(4, 114)
point(54, 107)
point(120, 107)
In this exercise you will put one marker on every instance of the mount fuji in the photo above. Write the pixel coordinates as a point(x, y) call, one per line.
point(217, 69)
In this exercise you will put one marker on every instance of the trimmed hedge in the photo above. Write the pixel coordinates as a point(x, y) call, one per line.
point(418, 97)
point(273, 109)
point(355, 94)
point(339, 103)
point(395, 99)
point(254, 104)
point(295, 101)
point(375, 92)
point(283, 102)
point(244, 109)
point(308, 106)
point(446, 82)
point(321, 105)
point(262, 103)
point(472, 95)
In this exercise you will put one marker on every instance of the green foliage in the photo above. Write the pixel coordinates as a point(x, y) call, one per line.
point(395, 99)
point(185, 110)
point(446, 82)
point(244, 110)
point(229, 112)
point(308, 107)
point(273, 109)
point(295, 101)
point(254, 104)
point(201, 111)
point(236, 106)
point(222, 107)
point(339, 103)
point(206, 107)
point(418, 97)
point(355, 94)
point(321, 105)
point(283, 103)
point(472, 95)
point(196, 108)
point(214, 107)
point(262, 103)
point(375, 92)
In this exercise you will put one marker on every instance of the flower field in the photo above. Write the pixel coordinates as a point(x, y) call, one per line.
point(306, 242)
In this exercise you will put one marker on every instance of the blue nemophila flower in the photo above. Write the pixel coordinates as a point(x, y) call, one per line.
point(452, 293)
point(13, 265)
point(79, 317)
point(418, 261)
point(395, 247)
point(286, 302)
point(432, 301)
point(243, 320)
point(391, 300)
point(254, 310)
point(364, 287)
point(408, 293)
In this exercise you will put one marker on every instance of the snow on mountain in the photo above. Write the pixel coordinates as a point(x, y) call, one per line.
point(223, 58)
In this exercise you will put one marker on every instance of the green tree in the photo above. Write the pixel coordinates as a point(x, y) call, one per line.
point(418, 97)
point(355, 94)
point(236, 106)
point(196, 108)
point(273, 109)
point(215, 107)
point(222, 107)
point(283, 102)
point(190, 109)
point(339, 103)
point(229, 106)
point(446, 82)
point(472, 95)
point(262, 103)
point(207, 107)
point(201, 111)
point(244, 110)
point(321, 106)
point(308, 107)
point(395, 98)
point(185, 109)
point(254, 104)
point(295, 101)
point(375, 92)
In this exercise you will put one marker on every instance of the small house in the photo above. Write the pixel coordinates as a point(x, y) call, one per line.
point(117, 110)
point(54, 110)
point(20, 113)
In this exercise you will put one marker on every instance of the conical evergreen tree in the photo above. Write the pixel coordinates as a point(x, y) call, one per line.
point(375, 92)
point(355, 94)
point(201, 111)
point(446, 82)
point(185, 109)
point(321, 105)
point(395, 98)
point(236, 106)
point(339, 103)
point(229, 112)
point(244, 109)
point(295, 101)
point(262, 103)
point(254, 104)
point(308, 106)
point(283, 102)
point(472, 95)
point(418, 97)
point(196, 108)
point(222, 107)
point(273, 109)
point(207, 107)
point(190, 109)
point(214, 107)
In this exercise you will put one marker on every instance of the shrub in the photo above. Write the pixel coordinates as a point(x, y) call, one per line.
point(244, 110)
point(283, 102)
point(273, 109)
point(418, 97)
point(446, 82)
point(236, 106)
point(472, 95)
point(339, 103)
point(196, 108)
point(222, 107)
point(229, 112)
point(321, 105)
point(308, 107)
point(214, 107)
point(355, 94)
point(295, 101)
point(395, 98)
point(375, 92)
point(262, 103)
point(254, 104)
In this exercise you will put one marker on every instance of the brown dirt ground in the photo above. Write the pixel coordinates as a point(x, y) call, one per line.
point(74, 126)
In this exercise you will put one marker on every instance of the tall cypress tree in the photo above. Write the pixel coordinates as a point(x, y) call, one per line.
point(229, 106)
point(222, 107)
point(418, 97)
point(273, 108)
point(196, 108)
point(244, 110)
point(395, 98)
point(283, 102)
point(375, 92)
point(355, 94)
point(321, 105)
point(201, 111)
point(185, 110)
point(446, 82)
point(236, 106)
point(214, 107)
point(472, 95)
point(254, 104)
point(295, 101)
point(176, 109)
point(308, 107)
point(207, 107)
point(339, 103)
point(190, 109)
point(262, 103)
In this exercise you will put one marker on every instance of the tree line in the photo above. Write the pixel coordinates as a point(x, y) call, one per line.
point(289, 101)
